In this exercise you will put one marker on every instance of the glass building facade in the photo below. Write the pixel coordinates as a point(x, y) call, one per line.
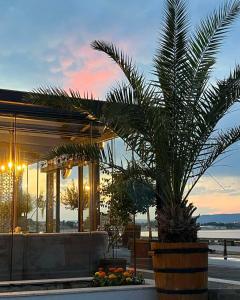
point(60, 195)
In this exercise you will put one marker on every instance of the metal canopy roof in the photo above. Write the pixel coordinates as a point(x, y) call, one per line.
point(12, 102)
point(40, 128)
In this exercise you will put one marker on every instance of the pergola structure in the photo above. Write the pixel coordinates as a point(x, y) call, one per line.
point(27, 133)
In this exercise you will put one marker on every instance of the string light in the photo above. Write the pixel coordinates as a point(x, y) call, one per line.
point(10, 166)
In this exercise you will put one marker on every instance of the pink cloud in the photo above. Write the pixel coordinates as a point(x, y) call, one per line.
point(92, 80)
point(87, 70)
point(66, 62)
point(96, 74)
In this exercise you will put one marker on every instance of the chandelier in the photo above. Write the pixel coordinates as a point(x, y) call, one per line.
point(10, 166)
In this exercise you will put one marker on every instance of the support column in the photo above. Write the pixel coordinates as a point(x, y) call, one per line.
point(80, 199)
point(37, 200)
point(94, 196)
point(58, 200)
point(50, 202)
point(97, 194)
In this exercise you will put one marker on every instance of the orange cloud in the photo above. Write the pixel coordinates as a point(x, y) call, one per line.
point(220, 196)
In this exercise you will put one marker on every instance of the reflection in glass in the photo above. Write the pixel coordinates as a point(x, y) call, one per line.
point(51, 202)
point(32, 200)
point(86, 199)
point(69, 195)
point(6, 173)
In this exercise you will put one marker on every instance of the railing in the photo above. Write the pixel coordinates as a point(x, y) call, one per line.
point(221, 241)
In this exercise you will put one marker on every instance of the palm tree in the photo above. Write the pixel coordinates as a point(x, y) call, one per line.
point(170, 121)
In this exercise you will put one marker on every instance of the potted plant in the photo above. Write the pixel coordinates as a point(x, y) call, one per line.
point(114, 224)
point(170, 122)
point(130, 192)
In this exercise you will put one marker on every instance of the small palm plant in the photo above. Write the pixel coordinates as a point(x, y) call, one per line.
point(170, 121)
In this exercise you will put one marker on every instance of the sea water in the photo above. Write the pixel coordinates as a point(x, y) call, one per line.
point(220, 233)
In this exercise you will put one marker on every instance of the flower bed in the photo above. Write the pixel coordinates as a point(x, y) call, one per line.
point(116, 277)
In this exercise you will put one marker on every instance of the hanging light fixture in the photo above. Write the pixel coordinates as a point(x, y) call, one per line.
point(10, 166)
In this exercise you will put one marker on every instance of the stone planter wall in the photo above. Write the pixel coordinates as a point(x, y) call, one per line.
point(140, 292)
point(51, 255)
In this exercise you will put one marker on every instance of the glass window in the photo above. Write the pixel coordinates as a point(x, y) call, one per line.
point(86, 199)
point(6, 173)
point(69, 195)
point(40, 195)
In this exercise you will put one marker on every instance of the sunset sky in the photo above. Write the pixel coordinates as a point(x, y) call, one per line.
point(47, 43)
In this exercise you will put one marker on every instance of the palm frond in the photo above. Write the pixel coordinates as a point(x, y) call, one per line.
point(90, 106)
point(205, 43)
point(218, 99)
point(135, 79)
point(170, 62)
point(53, 97)
point(58, 98)
point(222, 142)
point(215, 103)
point(82, 152)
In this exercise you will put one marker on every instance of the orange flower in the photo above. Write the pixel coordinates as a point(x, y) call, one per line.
point(127, 274)
point(102, 274)
point(119, 270)
point(112, 270)
point(112, 276)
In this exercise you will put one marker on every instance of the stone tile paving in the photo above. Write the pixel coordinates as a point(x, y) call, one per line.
point(219, 268)
point(224, 273)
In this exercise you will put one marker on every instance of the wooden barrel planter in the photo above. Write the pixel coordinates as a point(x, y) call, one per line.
point(181, 270)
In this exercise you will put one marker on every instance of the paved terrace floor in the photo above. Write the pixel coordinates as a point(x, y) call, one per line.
point(222, 273)
point(224, 269)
